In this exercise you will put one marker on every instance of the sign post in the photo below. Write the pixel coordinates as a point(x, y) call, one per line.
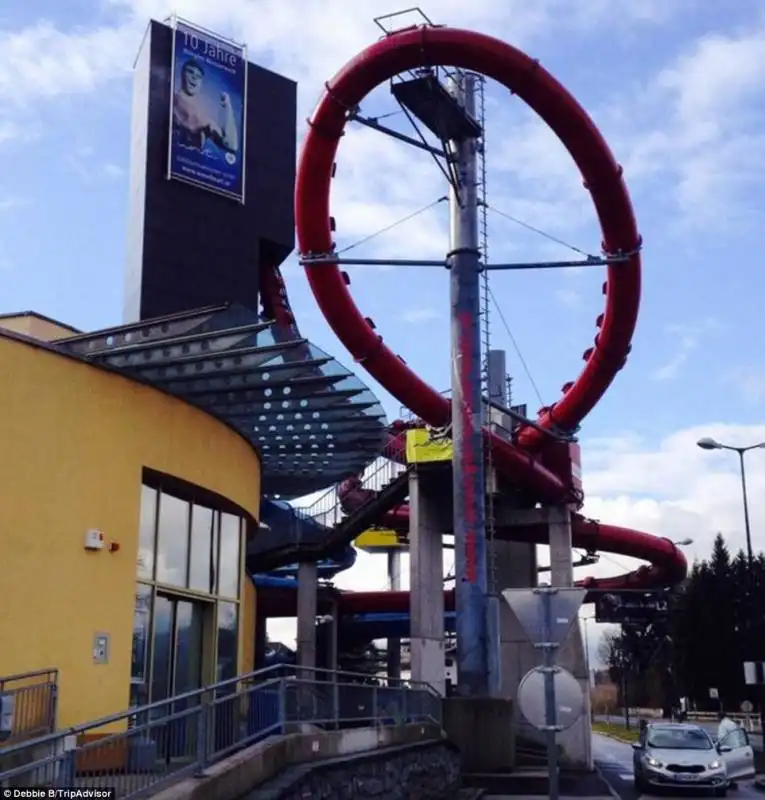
point(547, 614)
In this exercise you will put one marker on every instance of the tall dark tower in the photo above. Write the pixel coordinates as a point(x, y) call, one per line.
point(212, 173)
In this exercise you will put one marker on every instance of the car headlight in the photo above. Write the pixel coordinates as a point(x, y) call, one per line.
point(652, 762)
point(716, 765)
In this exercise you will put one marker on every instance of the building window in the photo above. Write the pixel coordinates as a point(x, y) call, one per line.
point(141, 622)
point(139, 662)
point(173, 541)
point(189, 554)
point(230, 556)
point(228, 626)
point(202, 559)
point(147, 532)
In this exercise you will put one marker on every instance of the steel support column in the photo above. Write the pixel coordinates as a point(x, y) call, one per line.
point(468, 467)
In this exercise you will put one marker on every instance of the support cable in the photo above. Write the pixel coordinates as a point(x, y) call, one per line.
point(393, 225)
point(549, 236)
point(517, 349)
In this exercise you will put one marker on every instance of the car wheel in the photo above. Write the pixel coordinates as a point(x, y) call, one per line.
point(639, 784)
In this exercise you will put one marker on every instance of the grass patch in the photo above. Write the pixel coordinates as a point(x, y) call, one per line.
point(617, 731)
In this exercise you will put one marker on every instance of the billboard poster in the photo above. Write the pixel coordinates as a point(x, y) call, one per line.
point(207, 112)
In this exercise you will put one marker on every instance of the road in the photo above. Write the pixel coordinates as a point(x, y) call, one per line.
point(711, 727)
point(614, 760)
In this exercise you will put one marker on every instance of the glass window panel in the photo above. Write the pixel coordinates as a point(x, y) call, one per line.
point(201, 576)
point(141, 628)
point(146, 533)
point(214, 549)
point(228, 620)
point(161, 680)
point(189, 646)
point(173, 541)
point(228, 572)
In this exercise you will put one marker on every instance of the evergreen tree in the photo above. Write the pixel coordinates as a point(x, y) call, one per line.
point(714, 624)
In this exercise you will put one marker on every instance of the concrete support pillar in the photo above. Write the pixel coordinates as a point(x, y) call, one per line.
point(307, 603)
point(561, 554)
point(427, 584)
point(576, 741)
point(394, 645)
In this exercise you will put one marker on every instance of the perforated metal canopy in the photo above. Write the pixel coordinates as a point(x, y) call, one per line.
point(313, 421)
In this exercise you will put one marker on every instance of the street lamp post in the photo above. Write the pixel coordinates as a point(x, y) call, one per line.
point(708, 443)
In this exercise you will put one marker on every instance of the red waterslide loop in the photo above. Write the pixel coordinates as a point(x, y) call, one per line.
point(602, 177)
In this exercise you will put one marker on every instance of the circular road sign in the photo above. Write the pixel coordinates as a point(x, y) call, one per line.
point(569, 698)
point(747, 707)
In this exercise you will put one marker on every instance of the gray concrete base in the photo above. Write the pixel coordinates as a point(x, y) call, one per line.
point(240, 774)
point(482, 729)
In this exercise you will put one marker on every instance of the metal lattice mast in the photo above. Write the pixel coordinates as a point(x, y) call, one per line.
point(468, 467)
point(486, 332)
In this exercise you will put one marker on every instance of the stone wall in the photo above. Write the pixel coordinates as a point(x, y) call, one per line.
point(427, 771)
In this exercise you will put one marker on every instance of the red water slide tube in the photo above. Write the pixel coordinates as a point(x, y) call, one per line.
point(668, 565)
point(518, 461)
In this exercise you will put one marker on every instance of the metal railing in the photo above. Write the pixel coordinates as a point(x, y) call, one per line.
point(27, 705)
point(751, 722)
point(140, 750)
point(327, 510)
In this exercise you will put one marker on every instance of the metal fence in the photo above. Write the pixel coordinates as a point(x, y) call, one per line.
point(27, 705)
point(142, 749)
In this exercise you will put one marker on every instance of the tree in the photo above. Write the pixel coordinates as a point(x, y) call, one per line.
point(712, 626)
point(715, 626)
point(642, 657)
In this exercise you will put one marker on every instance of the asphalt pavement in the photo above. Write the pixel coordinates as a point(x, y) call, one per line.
point(614, 760)
point(711, 727)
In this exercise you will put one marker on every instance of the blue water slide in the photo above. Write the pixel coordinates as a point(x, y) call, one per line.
point(278, 515)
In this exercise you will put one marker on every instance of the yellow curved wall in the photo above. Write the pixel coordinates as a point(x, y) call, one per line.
point(74, 440)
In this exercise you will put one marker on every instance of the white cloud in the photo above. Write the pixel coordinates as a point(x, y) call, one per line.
point(676, 489)
point(89, 168)
point(684, 339)
point(690, 127)
point(704, 127)
point(416, 316)
point(749, 382)
point(10, 203)
point(43, 61)
point(9, 131)
point(308, 39)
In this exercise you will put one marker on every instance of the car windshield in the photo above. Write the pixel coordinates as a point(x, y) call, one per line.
point(679, 739)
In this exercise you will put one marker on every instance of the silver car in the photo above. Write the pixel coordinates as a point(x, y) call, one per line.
point(682, 755)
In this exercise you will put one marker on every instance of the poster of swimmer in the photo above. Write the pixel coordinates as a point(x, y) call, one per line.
point(208, 111)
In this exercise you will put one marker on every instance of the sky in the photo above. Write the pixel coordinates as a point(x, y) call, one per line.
point(677, 89)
